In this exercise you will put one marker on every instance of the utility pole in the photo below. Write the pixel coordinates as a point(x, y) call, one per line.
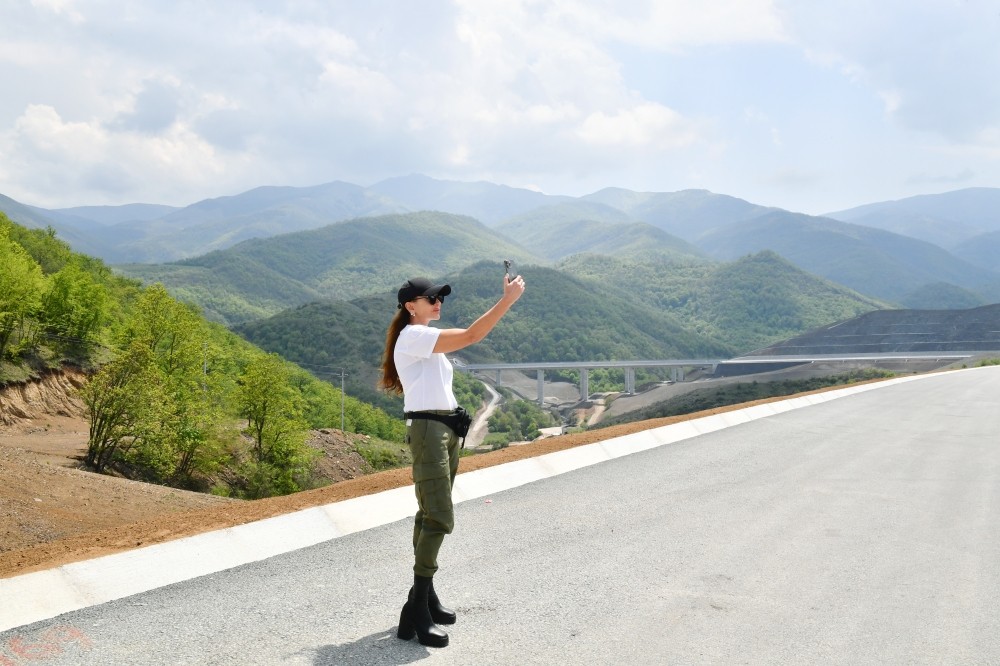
point(342, 375)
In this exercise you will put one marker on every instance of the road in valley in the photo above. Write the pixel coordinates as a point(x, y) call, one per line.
point(857, 531)
point(480, 427)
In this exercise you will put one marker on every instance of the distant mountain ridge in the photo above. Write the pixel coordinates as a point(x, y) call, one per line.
point(904, 268)
point(560, 230)
point(108, 215)
point(688, 214)
point(487, 202)
point(945, 219)
point(876, 262)
point(341, 261)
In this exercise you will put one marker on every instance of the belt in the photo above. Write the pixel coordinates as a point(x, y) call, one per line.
point(458, 420)
point(439, 415)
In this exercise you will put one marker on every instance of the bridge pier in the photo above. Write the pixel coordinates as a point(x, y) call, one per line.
point(584, 383)
point(541, 387)
point(630, 381)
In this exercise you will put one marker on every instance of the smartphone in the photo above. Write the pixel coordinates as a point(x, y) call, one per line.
point(508, 266)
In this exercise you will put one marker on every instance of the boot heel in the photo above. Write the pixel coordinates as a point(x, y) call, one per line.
point(406, 629)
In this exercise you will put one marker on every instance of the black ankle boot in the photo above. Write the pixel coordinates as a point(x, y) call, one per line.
point(439, 613)
point(416, 617)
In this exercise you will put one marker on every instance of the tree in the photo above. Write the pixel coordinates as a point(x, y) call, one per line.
point(169, 328)
point(155, 411)
point(273, 410)
point(42, 245)
point(74, 306)
point(192, 409)
point(124, 402)
point(21, 287)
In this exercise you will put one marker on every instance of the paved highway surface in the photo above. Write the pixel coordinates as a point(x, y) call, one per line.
point(858, 531)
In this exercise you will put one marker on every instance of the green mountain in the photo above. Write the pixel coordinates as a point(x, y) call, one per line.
point(565, 229)
point(567, 318)
point(945, 219)
point(31, 217)
point(878, 263)
point(591, 308)
point(341, 261)
point(687, 214)
point(222, 222)
point(982, 250)
point(748, 303)
point(487, 202)
point(90, 216)
point(559, 318)
point(943, 296)
point(872, 259)
point(330, 337)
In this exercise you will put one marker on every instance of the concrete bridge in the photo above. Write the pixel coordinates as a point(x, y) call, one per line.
point(741, 365)
point(677, 367)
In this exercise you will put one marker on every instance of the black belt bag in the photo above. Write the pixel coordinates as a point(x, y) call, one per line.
point(459, 421)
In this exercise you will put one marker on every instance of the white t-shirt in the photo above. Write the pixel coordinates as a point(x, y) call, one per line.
point(426, 376)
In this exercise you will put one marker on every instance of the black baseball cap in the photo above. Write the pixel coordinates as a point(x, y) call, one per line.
point(420, 287)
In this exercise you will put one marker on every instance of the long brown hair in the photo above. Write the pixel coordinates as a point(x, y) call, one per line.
point(390, 378)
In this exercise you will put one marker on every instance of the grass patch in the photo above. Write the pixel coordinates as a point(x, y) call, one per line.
point(382, 455)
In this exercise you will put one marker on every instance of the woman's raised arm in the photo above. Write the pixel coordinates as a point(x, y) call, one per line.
point(453, 339)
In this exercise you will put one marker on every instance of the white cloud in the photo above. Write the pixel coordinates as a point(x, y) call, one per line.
point(647, 126)
point(673, 24)
point(320, 93)
point(171, 102)
point(56, 155)
point(934, 63)
point(63, 8)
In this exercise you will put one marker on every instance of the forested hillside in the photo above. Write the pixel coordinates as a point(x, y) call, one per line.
point(341, 261)
point(333, 337)
point(877, 263)
point(927, 251)
point(748, 303)
point(173, 398)
point(558, 318)
point(565, 229)
point(594, 308)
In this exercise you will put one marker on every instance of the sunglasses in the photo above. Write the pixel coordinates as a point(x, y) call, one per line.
point(432, 299)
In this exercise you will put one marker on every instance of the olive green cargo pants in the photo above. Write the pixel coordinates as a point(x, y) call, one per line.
point(435, 449)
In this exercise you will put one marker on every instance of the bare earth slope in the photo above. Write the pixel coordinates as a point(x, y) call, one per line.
point(53, 513)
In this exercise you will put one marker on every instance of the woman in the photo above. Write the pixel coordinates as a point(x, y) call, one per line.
point(414, 365)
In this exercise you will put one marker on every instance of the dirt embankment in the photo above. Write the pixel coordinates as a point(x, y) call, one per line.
point(54, 394)
point(53, 512)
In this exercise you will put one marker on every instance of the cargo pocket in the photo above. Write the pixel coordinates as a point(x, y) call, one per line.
point(434, 498)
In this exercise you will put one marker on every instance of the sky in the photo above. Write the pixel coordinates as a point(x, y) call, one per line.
point(808, 105)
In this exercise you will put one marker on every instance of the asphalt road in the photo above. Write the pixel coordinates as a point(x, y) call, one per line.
point(858, 531)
